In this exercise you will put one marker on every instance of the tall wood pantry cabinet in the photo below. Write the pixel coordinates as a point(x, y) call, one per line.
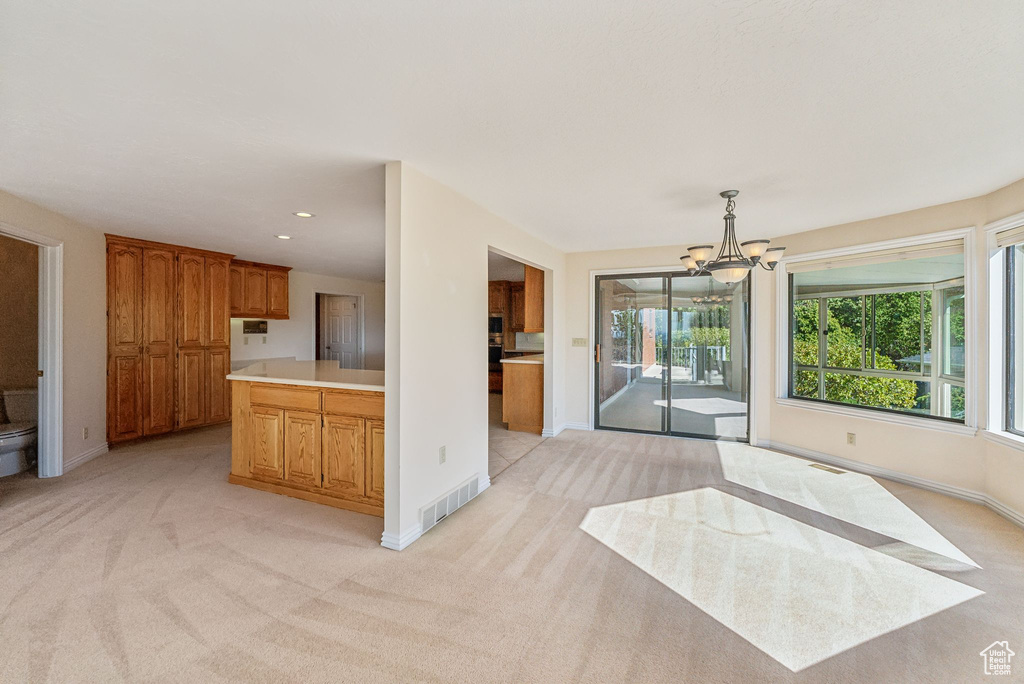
point(168, 338)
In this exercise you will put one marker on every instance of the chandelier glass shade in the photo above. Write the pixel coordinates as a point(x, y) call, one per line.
point(734, 259)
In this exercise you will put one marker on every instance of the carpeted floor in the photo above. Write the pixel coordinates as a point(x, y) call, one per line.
point(145, 565)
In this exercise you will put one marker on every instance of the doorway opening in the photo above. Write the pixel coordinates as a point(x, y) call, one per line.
point(33, 385)
point(339, 329)
point(515, 359)
point(672, 355)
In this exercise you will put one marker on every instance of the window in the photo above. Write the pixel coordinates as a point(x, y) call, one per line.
point(882, 331)
point(1014, 255)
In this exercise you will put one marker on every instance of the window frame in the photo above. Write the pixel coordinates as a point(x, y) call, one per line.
point(784, 375)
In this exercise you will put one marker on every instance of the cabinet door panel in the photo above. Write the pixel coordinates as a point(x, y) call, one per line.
point(191, 388)
point(343, 455)
point(267, 446)
point(218, 389)
point(217, 302)
point(191, 293)
point(375, 459)
point(277, 294)
point(158, 295)
point(124, 296)
point(237, 296)
point(533, 305)
point(302, 448)
point(255, 291)
point(124, 342)
point(517, 304)
point(124, 396)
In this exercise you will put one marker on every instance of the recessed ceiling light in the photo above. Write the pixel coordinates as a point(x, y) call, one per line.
point(283, 237)
point(304, 214)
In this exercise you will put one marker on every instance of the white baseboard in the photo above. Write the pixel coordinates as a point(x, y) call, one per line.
point(877, 471)
point(484, 483)
point(399, 542)
point(576, 426)
point(72, 463)
point(553, 432)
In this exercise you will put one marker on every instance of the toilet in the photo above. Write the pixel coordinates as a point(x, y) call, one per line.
point(18, 437)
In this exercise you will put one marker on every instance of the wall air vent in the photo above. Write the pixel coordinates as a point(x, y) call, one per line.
point(434, 513)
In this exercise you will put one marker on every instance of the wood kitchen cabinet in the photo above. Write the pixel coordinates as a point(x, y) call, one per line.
point(343, 454)
point(533, 300)
point(266, 443)
point(216, 303)
point(124, 342)
point(375, 459)
point(236, 289)
point(258, 290)
point(168, 338)
point(321, 445)
point(191, 387)
point(516, 316)
point(158, 297)
point(218, 387)
point(255, 301)
point(497, 296)
point(277, 294)
point(302, 447)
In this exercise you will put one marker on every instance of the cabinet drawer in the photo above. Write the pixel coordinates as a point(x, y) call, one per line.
point(285, 396)
point(368, 404)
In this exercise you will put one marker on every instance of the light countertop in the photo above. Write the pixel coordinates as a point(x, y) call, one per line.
point(311, 373)
point(535, 359)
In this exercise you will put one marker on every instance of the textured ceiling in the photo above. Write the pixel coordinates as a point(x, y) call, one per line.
point(591, 124)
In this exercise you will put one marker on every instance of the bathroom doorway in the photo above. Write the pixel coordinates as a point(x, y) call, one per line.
point(45, 389)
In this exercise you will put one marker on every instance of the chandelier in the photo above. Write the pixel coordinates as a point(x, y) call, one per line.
point(734, 259)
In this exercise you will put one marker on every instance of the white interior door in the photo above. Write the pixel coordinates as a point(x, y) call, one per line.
point(341, 331)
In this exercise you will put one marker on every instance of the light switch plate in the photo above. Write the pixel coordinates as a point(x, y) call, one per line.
point(441, 455)
point(579, 341)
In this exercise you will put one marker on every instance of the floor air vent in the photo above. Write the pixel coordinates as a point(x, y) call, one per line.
point(449, 503)
point(828, 469)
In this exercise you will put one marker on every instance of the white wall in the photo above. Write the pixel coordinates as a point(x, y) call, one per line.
point(296, 336)
point(436, 384)
point(85, 331)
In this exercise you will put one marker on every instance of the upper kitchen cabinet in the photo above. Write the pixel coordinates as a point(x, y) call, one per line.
point(497, 296)
point(236, 280)
point(516, 316)
point(533, 300)
point(255, 291)
point(258, 290)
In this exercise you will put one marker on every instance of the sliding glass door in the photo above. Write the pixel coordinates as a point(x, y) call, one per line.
point(672, 355)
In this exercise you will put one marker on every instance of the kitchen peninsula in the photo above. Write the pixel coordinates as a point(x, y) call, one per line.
point(522, 400)
point(311, 430)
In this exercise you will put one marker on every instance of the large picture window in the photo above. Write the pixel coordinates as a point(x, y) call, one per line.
point(883, 331)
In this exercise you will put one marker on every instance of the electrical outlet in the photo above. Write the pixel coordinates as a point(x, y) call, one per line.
point(85, 433)
point(264, 338)
point(851, 439)
point(441, 455)
point(245, 340)
point(579, 341)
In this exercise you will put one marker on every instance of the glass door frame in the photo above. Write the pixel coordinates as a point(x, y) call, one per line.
point(666, 421)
